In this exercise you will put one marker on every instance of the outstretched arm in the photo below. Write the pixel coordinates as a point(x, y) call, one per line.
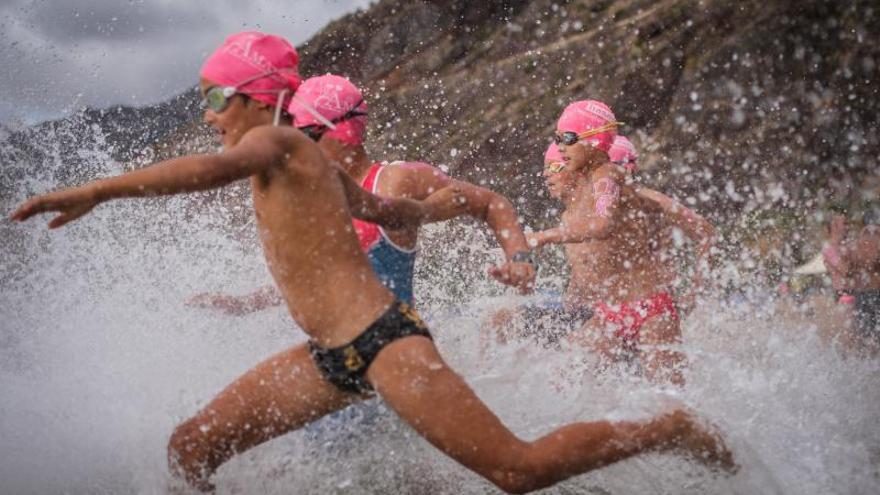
point(593, 218)
point(702, 233)
point(258, 150)
point(831, 254)
point(265, 297)
point(694, 226)
point(498, 212)
point(420, 180)
point(863, 252)
point(391, 213)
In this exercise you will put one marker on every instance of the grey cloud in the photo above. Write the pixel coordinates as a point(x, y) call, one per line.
point(54, 62)
point(112, 19)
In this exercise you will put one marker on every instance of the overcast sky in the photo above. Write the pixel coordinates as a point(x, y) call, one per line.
point(60, 55)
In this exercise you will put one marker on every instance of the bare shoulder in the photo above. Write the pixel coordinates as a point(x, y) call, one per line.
point(269, 135)
point(412, 179)
point(870, 235)
point(663, 201)
point(298, 152)
point(609, 171)
point(603, 180)
point(265, 140)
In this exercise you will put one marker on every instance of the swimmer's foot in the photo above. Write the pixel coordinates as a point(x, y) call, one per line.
point(180, 487)
point(180, 484)
point(703, 442)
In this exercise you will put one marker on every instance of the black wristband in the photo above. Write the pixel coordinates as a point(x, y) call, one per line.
point(523, 257)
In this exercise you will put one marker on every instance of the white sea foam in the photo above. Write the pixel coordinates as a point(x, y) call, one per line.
point(99, 359)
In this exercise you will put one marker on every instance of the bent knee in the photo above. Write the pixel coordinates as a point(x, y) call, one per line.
point(540, 465)
point(660, 332)
point(519, 481)
point(189, 451)
point(523, 475)
point(184, 439)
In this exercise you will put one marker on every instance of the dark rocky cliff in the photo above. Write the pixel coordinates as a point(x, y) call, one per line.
point(760, 114)
point(736, 106)
point(754, 112)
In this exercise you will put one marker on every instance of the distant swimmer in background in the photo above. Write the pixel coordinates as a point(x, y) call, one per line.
point(834, 264)
point(608, 230)
point(362, 339)
point(859, 262)
point(833, 316)
point(392, 252)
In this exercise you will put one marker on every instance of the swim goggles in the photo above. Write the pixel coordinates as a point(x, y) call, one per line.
point(218, 98)
point(569, 138)
point(316, 131)
point(555, 167)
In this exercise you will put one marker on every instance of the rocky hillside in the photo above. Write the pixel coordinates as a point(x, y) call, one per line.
point(735, 105)
point(760, 114)
point(756, 112)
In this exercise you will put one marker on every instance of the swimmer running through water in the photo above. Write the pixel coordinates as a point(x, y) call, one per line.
point(362, 340)
point(837, 271)
point(859, 262)
point(391, 252)
point(566, 319)
point(676, 216)
point(606, 230)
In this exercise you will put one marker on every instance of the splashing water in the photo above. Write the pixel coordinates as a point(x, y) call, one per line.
point(100, 359)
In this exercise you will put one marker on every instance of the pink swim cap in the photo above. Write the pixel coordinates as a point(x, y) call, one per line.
point(623, 152)
point(259, 65)
point(586, 115)
point(333, 97)
point(552, 155)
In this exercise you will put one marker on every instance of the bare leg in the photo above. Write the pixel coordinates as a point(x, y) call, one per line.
point(415, 381)
point(597, 336)
point(843, 328)
point(280, 394)
point(661, 364)
point(495, 329)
